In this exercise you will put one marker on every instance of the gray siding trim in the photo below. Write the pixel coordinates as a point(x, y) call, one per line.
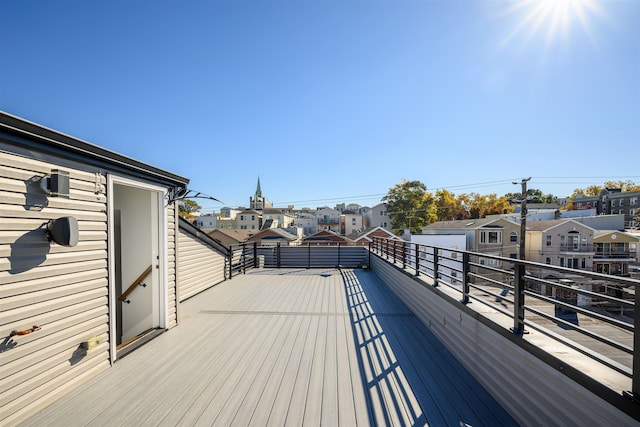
point(533, 391)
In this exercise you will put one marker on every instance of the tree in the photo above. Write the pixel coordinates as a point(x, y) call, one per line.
point(479, 205)
point(410, 206)
point(186, 208)
point(533, 196)
point(448, 207)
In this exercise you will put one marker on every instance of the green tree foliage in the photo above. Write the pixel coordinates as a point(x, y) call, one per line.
point(410, 206)
point(187, 208)
point(533, 196)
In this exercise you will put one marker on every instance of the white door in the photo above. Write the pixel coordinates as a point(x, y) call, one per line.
point(138, 293)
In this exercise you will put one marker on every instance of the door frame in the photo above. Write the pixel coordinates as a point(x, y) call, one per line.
point(162, 270)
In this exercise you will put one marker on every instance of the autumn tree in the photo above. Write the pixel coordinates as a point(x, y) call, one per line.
point(187, 208)
point(448, 206)
point(410, 206)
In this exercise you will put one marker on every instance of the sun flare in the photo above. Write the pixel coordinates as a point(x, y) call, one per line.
point(552, 19)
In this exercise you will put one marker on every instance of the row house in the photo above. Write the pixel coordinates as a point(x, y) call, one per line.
point(564, 243)
point(351, 222)
point(307, 222)
point(615, 252)
point(281, 217)
point(613, 201)
point(378, 216)
point(206, 222)
point(328, 219)
point(249, 220)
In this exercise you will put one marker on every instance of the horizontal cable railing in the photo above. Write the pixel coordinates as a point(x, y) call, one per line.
point(593, 313)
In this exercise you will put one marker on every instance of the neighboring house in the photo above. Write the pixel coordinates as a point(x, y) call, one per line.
point(613, 201)
point(363, 238)
point(326, 238)
point(227, 223)
point(206, 222)
point(377, 216)
point(229, 212)
point(565, 243)
point(273, 237)
point(281, 217)
point(249, 220)
point(328, 219)
point(614, 252)
point(351, 222)
point(494, 236)
point(231, 237)
point(79, 225)
point(307, 222)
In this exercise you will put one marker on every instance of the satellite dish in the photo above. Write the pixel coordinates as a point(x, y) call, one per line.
point(63, 231)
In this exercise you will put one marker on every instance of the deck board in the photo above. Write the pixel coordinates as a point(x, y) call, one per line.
point(310, 347)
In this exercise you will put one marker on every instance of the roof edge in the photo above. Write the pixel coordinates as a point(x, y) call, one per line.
point(61, 144)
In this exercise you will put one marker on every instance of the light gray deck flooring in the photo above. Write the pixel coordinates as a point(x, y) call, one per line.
point(286, 347)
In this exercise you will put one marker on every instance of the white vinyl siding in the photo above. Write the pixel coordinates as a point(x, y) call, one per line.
point(199, 266)
point(61, 289)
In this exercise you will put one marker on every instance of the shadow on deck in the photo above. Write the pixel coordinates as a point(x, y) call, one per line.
point(286, 347)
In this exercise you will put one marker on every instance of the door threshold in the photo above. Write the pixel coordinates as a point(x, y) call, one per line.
point(133, 343)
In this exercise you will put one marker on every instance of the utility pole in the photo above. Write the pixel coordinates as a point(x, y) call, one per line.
point(519, 271)
point(523, 216)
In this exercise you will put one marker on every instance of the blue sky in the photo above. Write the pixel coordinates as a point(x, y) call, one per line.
point(337, 101)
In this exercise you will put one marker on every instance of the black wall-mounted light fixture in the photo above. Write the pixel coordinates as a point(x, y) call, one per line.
point(63, 231)
point(56, 184)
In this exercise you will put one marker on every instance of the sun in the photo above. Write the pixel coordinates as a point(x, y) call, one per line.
point(552, 19)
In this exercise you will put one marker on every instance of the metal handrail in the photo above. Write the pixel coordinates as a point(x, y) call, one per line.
point(521, 278)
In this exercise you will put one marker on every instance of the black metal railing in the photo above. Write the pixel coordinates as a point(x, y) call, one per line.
point(591, 312)
point(246, 256)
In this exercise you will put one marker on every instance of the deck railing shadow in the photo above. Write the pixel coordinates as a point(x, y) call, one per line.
point(403, 383)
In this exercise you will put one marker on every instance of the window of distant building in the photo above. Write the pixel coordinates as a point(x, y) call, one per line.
point(561, 262)
point(513, 237)
point(633, 201)
point(491, 237)
point(613, 203)
point(548, 240)
point(548, 261)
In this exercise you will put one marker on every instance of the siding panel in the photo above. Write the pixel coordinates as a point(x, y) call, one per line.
point(62, 289)
point(199, 266)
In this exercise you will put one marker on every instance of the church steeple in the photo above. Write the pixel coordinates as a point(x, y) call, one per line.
point(258, 190)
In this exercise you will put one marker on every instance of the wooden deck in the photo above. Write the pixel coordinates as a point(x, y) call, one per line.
point(286, 347)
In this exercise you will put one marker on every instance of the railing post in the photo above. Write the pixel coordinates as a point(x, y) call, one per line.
point(404, 255)
point(518, 298)
point(243, 259)
point(394, 251)
point(255, 254)
point(386, 249)
point(635, 381)
point(230, 256)
point(308, 255)
point(278, 255)
point(435, 267)
point(417, 249)
point(465, 274)
point(338, 254)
